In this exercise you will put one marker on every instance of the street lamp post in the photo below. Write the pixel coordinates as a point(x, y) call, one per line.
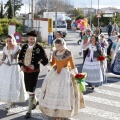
point(114, 17)
point(32, 22)
point(91, 14)
point(98, 13)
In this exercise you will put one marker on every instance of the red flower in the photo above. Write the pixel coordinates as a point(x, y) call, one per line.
point(101, 58)
point(79, 75)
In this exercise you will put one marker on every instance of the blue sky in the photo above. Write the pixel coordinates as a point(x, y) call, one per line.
point(80, 3)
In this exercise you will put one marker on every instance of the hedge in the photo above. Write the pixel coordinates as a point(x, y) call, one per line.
point(4, 25)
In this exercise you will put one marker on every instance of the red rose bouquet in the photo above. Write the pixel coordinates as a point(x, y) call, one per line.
point(80, 78)
point(101, 58)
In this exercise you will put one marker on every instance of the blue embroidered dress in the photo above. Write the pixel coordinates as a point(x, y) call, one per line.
point(116, 65)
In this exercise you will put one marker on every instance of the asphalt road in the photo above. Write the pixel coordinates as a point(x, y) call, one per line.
point(102, 104)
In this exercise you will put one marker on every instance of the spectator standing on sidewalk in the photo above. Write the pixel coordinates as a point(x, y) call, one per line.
point(116, 28)
point(109, 29)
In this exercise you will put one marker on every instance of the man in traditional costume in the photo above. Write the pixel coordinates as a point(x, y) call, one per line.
point(30, 57)
point(85, 40)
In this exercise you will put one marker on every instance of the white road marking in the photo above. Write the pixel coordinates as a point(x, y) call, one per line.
point(107, 92)
point(101, 113)
point(112, 85)
point(102, 101)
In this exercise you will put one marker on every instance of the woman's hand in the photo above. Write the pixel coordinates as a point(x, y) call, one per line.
point(40, 61)
point(22, 68)
point(73, 75)
point(32, 67)
point(55, 67)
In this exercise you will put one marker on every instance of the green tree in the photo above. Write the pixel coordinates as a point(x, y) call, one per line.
point(104, 21)
point(1, 30)
point(12, 7)
point(80, 17)
point(77, 13)
point(4, 22)
point(1, 10)
point(117, 19)
point(9, 9)
point(17, 4)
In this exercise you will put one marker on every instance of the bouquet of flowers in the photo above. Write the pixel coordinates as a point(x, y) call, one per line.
point(101, 58)
point(80, 78)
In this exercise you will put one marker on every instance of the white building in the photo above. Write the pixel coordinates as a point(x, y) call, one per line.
point(87, 11)
point(110, 10)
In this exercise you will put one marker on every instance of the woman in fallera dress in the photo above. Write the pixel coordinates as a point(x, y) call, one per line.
point(92, 66)
point(115, 48)
point(12, 87)
point(104, 46)
point(59, 96)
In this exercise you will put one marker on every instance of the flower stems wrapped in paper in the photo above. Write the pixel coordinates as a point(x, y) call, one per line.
point(80, 78)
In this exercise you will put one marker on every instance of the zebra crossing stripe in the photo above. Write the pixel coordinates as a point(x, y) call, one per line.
point(107, 92)
point(101, 113)
point(112, 85)
point(102, 101)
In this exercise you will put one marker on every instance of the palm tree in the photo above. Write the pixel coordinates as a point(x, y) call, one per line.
point(12, 6)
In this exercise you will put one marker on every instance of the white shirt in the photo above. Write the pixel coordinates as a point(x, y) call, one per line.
point(31, 46)
point(81, 45)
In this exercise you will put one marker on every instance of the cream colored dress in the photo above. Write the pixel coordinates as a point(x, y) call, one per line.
point(12, 88)
point(60, 96)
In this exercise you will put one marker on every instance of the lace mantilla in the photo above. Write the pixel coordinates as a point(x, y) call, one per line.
point(64, 56)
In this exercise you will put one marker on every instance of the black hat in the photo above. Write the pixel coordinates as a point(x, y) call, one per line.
point(32, 33)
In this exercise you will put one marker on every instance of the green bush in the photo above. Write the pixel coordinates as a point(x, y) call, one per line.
point(4, 25)
point(1, 30)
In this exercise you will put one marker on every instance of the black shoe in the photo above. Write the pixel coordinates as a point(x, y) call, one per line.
point(93, 87)
point(34, 106)
point(28, 115)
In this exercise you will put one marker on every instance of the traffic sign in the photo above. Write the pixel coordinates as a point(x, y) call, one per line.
point(98, 16)
point(50, 25)
point(108, 15)
point(18, 37)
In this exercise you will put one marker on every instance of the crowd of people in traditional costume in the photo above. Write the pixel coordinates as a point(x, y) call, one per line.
point(60, 96)
point(93, 45)
point(20, 68)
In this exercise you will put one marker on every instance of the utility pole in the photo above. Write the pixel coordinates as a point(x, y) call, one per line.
point(12, 2)
point(98, 13)
point(29, 6)
point(13, 5)
point(56, 21)
point(47, 5)
point(91, 14)
point(32, 18)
